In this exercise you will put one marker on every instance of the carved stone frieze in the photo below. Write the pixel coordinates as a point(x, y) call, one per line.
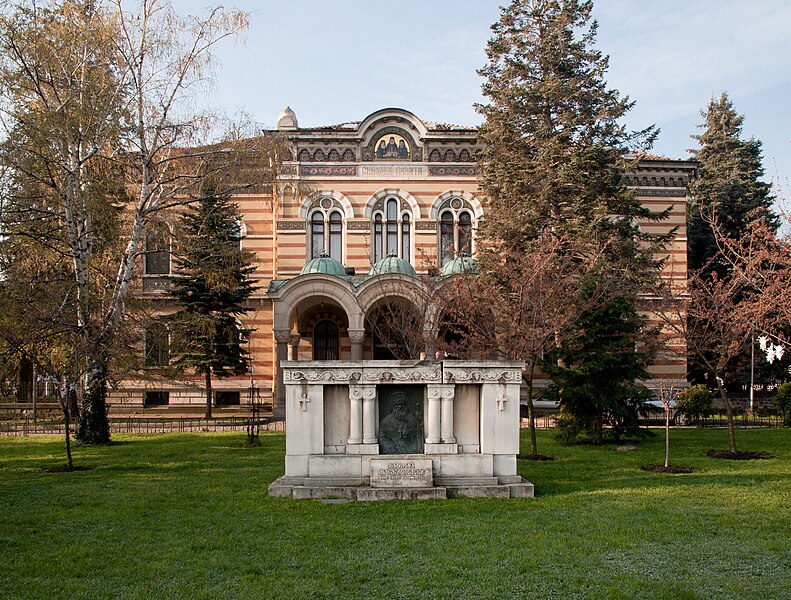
point(291, 225)
point(474, 374)
point(358, 225)
point(328, 171)
point(426, 225)
point(454, 170)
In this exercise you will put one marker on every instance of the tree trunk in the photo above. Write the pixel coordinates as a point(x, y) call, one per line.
point(94, 427)
point(531, 411)
point(667, 435)
point(729, 412)
point(208, 393)
point(63, 400)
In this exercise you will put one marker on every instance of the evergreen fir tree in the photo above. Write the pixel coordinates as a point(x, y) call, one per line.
point(553, 158)
point(729, 187)
point(594, 373)
point(213, 284)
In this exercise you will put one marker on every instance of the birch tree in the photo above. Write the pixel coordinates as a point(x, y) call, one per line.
point(90, 86)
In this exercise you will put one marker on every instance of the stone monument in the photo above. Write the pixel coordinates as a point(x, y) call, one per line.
point(381, 430)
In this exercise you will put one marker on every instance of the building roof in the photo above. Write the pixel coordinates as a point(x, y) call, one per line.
point(463, 263)
point(324, 264)
point(392, 264)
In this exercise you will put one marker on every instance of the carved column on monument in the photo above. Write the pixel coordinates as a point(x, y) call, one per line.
point(293, 346)
point(282, 337)
point(357, 337)
point(355, 414)
point(369, 414)
point(434, 413)
point(447, 415)
point(440, 438)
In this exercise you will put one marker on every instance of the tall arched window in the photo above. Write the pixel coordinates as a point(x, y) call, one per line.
point(465, 232)
point(326, 233)
point(455, 234)
point(316, 234)
point(405, 241)
point(391, 231)
point(336, 236)
point(325, 341)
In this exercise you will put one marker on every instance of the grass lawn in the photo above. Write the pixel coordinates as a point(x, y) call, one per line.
point(187, 516)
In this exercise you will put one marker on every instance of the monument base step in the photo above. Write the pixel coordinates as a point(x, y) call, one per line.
point(368, 494)
point(295, 487)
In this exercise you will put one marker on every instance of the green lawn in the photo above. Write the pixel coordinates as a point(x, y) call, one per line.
point(187, 516)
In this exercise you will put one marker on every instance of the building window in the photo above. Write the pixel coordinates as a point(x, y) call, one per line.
point(316, 234)
point(226, 398)
point(391, 231)
point(156, 399)
point(326, 233)
point(455, 234)
point(325, 341)
point(157, 345)
point(157, 253)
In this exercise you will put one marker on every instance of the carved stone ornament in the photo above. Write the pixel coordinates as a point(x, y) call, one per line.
point(484, 376)
point(308, 372)
point(440, 391)
point(362, 392)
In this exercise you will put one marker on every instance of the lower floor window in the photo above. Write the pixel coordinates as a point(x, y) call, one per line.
point(226, 398)
point(157, 398)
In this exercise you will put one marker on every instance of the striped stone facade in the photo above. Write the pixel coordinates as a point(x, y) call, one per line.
point(342, 180)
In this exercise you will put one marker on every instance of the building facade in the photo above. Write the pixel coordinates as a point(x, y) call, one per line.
point(357, 209)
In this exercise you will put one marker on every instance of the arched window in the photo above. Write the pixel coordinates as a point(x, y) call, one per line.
point(405, 242)
point(336, 235)
point(316, 234)
point(391, 231)
point(465, 232)
point(392, 226)
point(325, 341)
point(455, 233)
point(447, 250)
point(326, 233)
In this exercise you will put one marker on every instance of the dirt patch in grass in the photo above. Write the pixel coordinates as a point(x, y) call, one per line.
point(663, 469)
point(535, 457)
point(67, 469)
point(727, 454)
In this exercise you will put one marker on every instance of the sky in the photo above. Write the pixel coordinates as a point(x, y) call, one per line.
point(340, 60)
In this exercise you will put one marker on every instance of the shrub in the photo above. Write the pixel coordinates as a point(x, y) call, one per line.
point(695, 402)
point(782, 402)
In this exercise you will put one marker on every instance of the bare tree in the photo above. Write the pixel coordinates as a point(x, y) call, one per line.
point(521, 305)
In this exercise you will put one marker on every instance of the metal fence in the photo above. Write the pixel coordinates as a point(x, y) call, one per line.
point(145, 425)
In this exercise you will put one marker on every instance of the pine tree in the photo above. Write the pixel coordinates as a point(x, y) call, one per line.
point(212, 286)
point(595, 372)
point(729, 188)
point(553, 158)
point(553, 149)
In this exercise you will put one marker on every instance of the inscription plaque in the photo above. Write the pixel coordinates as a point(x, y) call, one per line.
point(401, 473)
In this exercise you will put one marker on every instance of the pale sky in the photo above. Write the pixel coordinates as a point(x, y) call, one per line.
point(340, 60)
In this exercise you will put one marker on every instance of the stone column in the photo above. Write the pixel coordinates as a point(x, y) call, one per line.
point(357, 337)
point(355, 415)
point(447, 416)
point(282, 336)
point(293, 346)
point(434, 413)
point(440, 438)
point(369, 415)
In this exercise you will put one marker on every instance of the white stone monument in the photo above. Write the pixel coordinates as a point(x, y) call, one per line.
point(380, 430)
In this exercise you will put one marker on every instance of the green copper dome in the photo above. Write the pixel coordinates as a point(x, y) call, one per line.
point(324, 264)
point(392, 264)
point(463, 263)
